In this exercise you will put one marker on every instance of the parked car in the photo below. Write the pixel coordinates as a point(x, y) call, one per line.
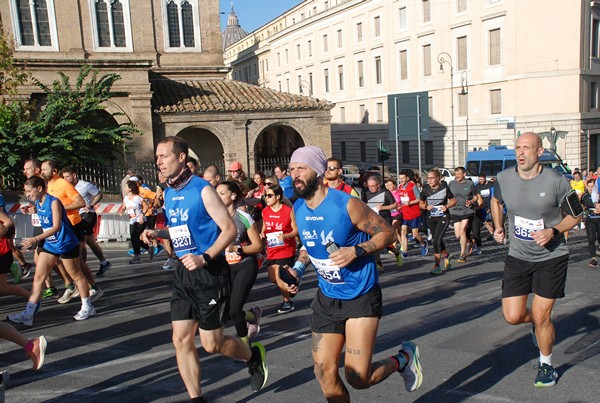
point(351, 173)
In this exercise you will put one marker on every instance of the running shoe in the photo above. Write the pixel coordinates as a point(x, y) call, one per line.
point(471, 247)
point(461, 259)
point(286, 306)
point(136, 259)
point(130, 252)
point(593, 264)
point(103, 269)
point(83, 314)
point(424, 249)
point(404, 255)
point(533, 336)
point(412, 372)
point(158, 250)
point(38, 353)
point(25, 270)
point(477, 250)
point(168, 264)
point(96, 293)
point(15, 273)
point(448, 262)
point(68, 295)
point(436, 271)
point(254, 324)
point(257, 367)
point(22, 318)
point(379, 266)
point(546, 376)
point(49, 292)
point(399, 260)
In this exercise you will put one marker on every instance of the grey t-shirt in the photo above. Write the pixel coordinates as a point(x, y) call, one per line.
point(462, 191)
point(532, 204)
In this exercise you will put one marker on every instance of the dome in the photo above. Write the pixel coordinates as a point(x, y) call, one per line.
point(233, 32)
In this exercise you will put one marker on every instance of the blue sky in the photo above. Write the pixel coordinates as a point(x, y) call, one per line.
point(255, 13)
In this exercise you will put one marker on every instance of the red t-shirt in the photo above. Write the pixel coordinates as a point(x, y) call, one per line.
point(276, 224)
point(407, 193)
point(4, 243)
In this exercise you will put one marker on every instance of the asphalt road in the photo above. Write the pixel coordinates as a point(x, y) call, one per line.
point(468, 352)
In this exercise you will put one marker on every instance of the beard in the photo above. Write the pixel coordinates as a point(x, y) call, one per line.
point(309, 188)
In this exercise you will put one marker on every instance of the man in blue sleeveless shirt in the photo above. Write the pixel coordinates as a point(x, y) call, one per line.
point(200, 228)
point(340, 234)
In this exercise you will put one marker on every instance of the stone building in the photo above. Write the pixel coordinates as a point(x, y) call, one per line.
point(169, 54)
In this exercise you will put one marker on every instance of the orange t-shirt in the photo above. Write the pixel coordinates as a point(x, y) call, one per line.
point(149, 195)
point(66, 193)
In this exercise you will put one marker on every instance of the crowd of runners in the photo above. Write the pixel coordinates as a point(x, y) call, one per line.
point(218, 231)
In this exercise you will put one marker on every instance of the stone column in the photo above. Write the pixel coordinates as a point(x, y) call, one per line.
point(142, 117)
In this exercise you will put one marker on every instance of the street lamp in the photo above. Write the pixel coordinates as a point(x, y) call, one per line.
point(464, 91)
point(442, 58)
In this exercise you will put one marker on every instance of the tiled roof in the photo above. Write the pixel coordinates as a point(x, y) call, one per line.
point(226, 96)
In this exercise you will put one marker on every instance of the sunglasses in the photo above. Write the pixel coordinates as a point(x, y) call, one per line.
point(269, 195)
point(333, 168)
point(268, 183)
point(235, 170)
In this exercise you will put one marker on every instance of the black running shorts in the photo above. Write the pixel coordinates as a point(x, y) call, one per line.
point(6, 261)
point(546, 279)
point(78, 229)
point(72, 254)
point(330, 314)
point(88, 222)
point(202, 294)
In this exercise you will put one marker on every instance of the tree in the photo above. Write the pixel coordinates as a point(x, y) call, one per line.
point(69, 126)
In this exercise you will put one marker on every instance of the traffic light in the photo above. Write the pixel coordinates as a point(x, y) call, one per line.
point(383, 153)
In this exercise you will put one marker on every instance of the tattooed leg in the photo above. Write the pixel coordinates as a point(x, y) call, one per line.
point(326, 350)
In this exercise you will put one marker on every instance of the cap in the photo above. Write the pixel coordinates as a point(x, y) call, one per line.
point(235, 166)
point(134, 179)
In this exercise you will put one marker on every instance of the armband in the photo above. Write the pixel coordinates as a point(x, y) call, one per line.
point(300, 268)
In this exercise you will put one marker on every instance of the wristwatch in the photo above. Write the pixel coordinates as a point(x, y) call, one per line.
point(358, 251)
point(555, 232)
point(207, 259)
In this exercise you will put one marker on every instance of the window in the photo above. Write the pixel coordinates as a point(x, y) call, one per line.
point(310, 84)
point(34, 24)
point(340, 41)
point(363, 151)
point(461, 6)
point(403, 65)
point(300, 84)
point(377, 26)
point(359, 36)
point(461, 48)
point(378, 76)
point(430, 106)
point(325, 44)
point(403, 25)
point(287, 85)
point(298, 52)
point(364, 115)
point(343, 146)
point(496, 101)
point(361, 75)
point(380, 111)
point(326, 79)
point(111, 25)
point(406, 152)
point(182, 26)
point(463, 105)
point(426, 10)
point(279, 85)
point(595, 40)
point(428, 152)
point(287, 59)
point(495, 56)
point(594, 95)
point(426, 60)
point(278, 59)
point(342, 114)
point(309, 48)
point(341, 77)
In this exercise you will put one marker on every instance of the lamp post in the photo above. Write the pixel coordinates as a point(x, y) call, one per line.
point(464, 91)
point(442, 58)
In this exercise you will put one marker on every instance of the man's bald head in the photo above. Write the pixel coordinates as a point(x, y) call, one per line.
point(531, 136)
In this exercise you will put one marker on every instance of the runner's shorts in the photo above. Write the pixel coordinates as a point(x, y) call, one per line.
point(202, 294)
point(412, 224)
point(546, 279)
point(71, 254)
point(6, 261)
point(330, 314)
point(88, 222)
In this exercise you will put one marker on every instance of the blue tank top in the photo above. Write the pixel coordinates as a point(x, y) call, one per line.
point(185, 208)
point(64, 240)
point(330, 222)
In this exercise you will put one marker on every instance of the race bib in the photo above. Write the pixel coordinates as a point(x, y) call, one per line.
point(524, 227)
point(327, 270)
point(485, 193)
point(181, 238)
point(375, 209)
point(51, 238)
point(436, 212)
point(233, 257)
point(275, 239)
point(35, 220)
point(404, 200)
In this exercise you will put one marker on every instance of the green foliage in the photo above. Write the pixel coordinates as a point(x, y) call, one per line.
point(11, 76)
point(71, 126)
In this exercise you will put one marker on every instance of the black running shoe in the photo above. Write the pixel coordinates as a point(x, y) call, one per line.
point(257, 367)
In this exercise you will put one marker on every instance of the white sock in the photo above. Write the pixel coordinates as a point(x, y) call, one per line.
point(85, 303)
point(545, 359)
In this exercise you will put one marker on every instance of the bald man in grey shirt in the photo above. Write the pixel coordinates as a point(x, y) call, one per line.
point(535, 199)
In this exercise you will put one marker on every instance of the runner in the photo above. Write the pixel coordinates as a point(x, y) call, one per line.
point(135, 206)
point(592, 223)
point(390, 185)
point(91, 196)
point(333, 177)
point(285, 181)
point(341, 234)
point(7, 231)
point(462, 212)
point(411, 213)
point(59, 241)
point(436, 199)
point(483, 214)
point(241, 256)
point(200, 230)
point(535, 198)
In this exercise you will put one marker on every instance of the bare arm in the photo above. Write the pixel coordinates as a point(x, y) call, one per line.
point(77, 203)
point(6, 223)
point(56, 224)
point(498, 217)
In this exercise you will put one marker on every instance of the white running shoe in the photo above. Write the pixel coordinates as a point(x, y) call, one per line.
point(68, 295)
point(95, 294)
point(412, 373)
point(22, 318)
point(168, 264)
point(83, 314)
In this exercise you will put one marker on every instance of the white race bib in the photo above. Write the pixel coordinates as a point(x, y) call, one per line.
point(328, 270)
point(437, 212)
point(524, 227)
point(181, 239)
point(51, 238)
point(275, 239)
point(485, 193)
point(404, 200)
point(35, 220)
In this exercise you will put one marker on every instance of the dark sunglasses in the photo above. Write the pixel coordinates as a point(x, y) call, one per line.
point(269, 195)
point(333, 168)
point(268, 183)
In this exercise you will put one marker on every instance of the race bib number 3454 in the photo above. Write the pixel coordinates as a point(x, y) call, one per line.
point(328, 270)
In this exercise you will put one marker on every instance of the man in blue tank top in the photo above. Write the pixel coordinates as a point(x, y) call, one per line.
point(200, 228)
point(340, 234)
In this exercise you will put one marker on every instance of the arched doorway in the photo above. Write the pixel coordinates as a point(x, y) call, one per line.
point(204, 146)
point(275, 145)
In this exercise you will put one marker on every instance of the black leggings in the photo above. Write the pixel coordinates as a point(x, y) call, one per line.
point(438, 228)
point(592, 229)
point(135, 230)
point(477, 225)
point(244, 275)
